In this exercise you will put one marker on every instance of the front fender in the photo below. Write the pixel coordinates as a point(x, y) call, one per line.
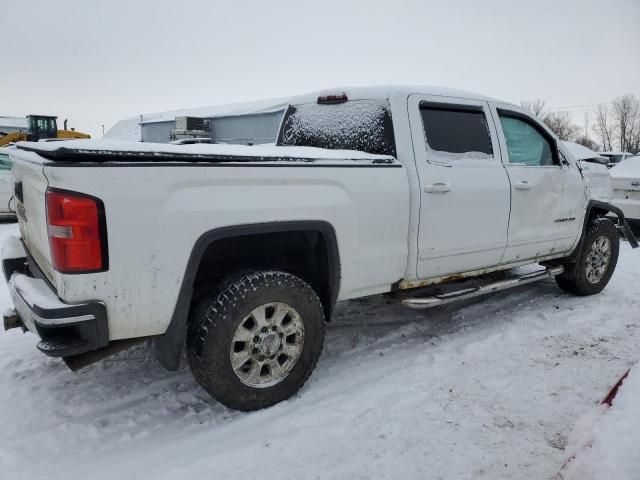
point(596, 206)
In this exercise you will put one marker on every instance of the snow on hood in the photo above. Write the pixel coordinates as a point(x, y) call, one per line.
point(629, 168)
point(202, 149)
point(580, 152)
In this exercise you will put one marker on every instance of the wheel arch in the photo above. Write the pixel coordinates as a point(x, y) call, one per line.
point(597, 209)
point(169, 346)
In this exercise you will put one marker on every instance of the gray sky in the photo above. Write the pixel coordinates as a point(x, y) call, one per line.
point(96, 62)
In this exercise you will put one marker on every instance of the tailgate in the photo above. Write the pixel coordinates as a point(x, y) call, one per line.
point(626, 188)
point(30, 186)
point(626, 184)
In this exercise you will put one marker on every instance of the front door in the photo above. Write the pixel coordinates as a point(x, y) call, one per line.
point(547, 191)
point(464, 188)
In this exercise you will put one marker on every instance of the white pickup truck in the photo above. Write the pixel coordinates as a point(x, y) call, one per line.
point(240, 253)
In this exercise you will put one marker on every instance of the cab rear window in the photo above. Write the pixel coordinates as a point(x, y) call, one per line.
point(363, 125)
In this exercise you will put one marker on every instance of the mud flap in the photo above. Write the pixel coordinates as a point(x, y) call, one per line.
point(629, 235)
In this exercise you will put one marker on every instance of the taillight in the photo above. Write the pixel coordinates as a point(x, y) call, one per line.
point(77, 232)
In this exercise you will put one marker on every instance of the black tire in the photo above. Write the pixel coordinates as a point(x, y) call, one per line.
point(218, 317)
point(576, 281)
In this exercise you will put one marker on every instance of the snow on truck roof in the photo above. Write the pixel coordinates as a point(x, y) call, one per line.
point(276, 104)
point(387, 91)
point(129, 128)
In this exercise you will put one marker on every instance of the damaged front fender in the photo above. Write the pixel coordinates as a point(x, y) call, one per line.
point(596, 206)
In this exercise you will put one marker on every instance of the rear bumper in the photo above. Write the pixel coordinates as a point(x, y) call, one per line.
point(64, 329)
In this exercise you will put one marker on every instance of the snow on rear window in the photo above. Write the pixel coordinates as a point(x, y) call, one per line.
point(363, 125)
point(468, 159)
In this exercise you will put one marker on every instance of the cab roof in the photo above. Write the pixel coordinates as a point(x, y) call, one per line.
point(387, 91)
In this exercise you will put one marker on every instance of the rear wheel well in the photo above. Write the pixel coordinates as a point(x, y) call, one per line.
point(305, 253)
point(308, 249)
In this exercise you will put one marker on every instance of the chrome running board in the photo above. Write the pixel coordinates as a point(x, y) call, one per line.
point(465, 293)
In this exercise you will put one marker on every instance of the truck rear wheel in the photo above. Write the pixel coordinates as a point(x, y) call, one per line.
point(597, 260)
point(255, 341)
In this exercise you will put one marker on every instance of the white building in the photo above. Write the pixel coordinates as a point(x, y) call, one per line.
point(244, 123)
point(13, 124)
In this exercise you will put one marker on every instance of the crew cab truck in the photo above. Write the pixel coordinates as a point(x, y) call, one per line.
point(240, 253)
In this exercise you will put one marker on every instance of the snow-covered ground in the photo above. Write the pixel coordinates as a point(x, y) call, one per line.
point(604, 444)
point(487, 390)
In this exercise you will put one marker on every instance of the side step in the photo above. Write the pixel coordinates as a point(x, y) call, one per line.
point(465, 293)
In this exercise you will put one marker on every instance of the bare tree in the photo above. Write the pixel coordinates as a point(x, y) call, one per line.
point(562, 124)
point(536, 106)
point(559, 122)
point(626, 112)
point(584, 139)
point(587, 124)
point(634, 143)
point(586, 142)
point(604, 126)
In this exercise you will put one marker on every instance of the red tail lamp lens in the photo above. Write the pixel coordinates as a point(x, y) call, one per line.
point(75, 225)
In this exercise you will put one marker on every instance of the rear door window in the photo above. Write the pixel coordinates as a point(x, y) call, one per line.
point(456, 133)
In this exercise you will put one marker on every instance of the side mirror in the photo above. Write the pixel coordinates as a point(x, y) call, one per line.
point(563, 159)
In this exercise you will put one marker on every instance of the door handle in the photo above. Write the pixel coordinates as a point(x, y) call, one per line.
point(523, 185)
point(438, 187)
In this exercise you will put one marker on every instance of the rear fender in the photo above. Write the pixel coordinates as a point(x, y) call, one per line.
point(168, 347)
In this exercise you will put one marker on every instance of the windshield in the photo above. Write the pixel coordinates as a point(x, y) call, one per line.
point(363, 125)
point(613, 158)
point(5, 163)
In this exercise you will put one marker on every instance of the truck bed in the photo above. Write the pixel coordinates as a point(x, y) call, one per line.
point(158, 205)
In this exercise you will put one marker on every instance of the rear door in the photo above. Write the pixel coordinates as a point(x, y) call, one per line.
point(464, 188)
point(547, 191)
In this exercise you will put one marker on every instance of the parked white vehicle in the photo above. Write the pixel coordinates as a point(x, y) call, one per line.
point(615, 157)
point(626, 185)
point(241, 252)
point(6, 190)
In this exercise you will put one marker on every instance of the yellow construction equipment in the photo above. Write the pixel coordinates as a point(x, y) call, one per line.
point(41, 127)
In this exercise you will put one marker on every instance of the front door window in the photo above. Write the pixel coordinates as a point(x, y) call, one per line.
point(526, 145)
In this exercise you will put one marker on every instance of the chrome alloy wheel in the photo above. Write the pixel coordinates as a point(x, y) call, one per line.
point(267, 344)
point(598, 259)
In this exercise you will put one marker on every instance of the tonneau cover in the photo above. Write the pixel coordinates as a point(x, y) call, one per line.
point(138, 152)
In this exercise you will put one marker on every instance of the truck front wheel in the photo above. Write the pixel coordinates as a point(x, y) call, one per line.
point(255, 341)
point(597, 261)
